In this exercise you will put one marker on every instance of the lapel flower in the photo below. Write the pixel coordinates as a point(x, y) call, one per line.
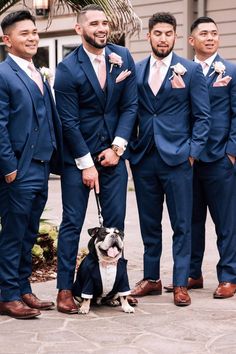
point(115, 59)
point(46, 74)
point(218, 67)
point(178, 69)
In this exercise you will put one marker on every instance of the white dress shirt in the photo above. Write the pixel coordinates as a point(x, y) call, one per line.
point(163, 69)
point(208, 61)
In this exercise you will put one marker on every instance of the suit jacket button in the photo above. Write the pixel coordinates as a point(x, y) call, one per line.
point(32, 146)
point(36, 129)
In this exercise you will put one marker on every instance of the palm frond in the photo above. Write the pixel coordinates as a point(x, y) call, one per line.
point(119, 12)
point(6, 4)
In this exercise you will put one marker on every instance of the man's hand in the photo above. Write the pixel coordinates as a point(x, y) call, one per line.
point(232, 158)
point(11, 177)
point(90, 178)
point(191, 160)
point(108, 158)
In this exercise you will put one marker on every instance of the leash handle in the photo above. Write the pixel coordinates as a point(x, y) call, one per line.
point(98, 208)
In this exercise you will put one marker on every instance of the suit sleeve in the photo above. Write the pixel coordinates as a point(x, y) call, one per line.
point(231, 144)
point(68, 108)
point(8, 161)
point(128, 104)
point(200, 104)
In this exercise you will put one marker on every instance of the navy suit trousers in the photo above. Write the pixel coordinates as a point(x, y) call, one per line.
point(113, 188)
point(153, 180)
point(215, 187)
point(22, 203)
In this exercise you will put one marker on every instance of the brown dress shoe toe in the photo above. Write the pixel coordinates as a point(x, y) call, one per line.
point(195, 283)
point(132, 300)
point(181, 296)
point(224, 290)
point(17, 309)
point(32, 301)
point(147, 287)
point(66, 303)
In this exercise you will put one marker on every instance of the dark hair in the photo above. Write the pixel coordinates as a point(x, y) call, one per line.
point(199, 20)
point(14, 17)
point(91, 7)
point(162, 17)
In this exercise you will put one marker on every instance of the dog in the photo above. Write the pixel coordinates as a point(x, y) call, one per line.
point(102, 275)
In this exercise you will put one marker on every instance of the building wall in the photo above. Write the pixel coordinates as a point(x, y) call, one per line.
point(224, 13)
point(185, 11)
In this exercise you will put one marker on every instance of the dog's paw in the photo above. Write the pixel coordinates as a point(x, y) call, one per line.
point(127, 308)
point(85, 307)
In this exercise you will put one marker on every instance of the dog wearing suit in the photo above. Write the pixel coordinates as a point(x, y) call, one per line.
point(102, 275)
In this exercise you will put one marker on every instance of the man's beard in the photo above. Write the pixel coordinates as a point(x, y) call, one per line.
point(93, 42)
point(161, 54)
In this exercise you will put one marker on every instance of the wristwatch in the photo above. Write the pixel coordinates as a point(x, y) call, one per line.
point(118, 150)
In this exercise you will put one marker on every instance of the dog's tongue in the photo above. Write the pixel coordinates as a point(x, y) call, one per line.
point(112, 252)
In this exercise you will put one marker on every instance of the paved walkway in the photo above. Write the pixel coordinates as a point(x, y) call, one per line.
point(158, 326)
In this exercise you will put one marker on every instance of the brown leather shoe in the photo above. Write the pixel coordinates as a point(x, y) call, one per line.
point(132, 300)
point(224, 290)
point(66, 303)
point(181, 296)
point(147, 287)
point(32, 301)
point(17, 309)
point(192, 284)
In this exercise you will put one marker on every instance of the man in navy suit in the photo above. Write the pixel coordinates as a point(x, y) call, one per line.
point(214, 173)
point(172, 129)
point(96, 97)
point(31, 139)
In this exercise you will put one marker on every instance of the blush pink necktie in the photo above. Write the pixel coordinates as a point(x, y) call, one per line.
point(36, 77)
point(101, 70)
point(155, 81)
point(204, 67)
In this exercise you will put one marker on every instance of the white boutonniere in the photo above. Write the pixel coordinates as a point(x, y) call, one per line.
point(218, 67)
point(46, 74)
point(178, 69)
point(116, 60)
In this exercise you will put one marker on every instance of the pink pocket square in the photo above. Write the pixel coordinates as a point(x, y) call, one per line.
point(222, 81)
point(177, 82)
point(123, 75)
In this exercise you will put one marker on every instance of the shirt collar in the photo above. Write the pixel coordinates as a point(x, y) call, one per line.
point(92, 56)
point(208, 61)
point(166, 61)
point(23, 64)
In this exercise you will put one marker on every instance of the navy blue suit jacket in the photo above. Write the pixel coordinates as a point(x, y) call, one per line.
point(178, 123)
point(83, 106)
point(19, 120)
point(222, 135)
point(88, 279)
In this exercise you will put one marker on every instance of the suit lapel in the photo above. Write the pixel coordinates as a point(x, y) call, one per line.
point(141, 73)
point(91, 75)
point(111, 76)
point(211, 75)
point(29, 84)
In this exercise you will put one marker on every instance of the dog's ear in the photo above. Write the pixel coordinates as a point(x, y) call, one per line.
point(92, 232)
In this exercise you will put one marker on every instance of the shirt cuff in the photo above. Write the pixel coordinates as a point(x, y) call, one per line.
point(124, 293)
point(86, 296)
point(120, 142)
point(85, 161)
point(10, 173)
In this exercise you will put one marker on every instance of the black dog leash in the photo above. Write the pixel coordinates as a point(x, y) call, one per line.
point(99, 209)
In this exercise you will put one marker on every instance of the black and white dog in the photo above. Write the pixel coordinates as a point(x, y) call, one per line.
point(102, 275)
